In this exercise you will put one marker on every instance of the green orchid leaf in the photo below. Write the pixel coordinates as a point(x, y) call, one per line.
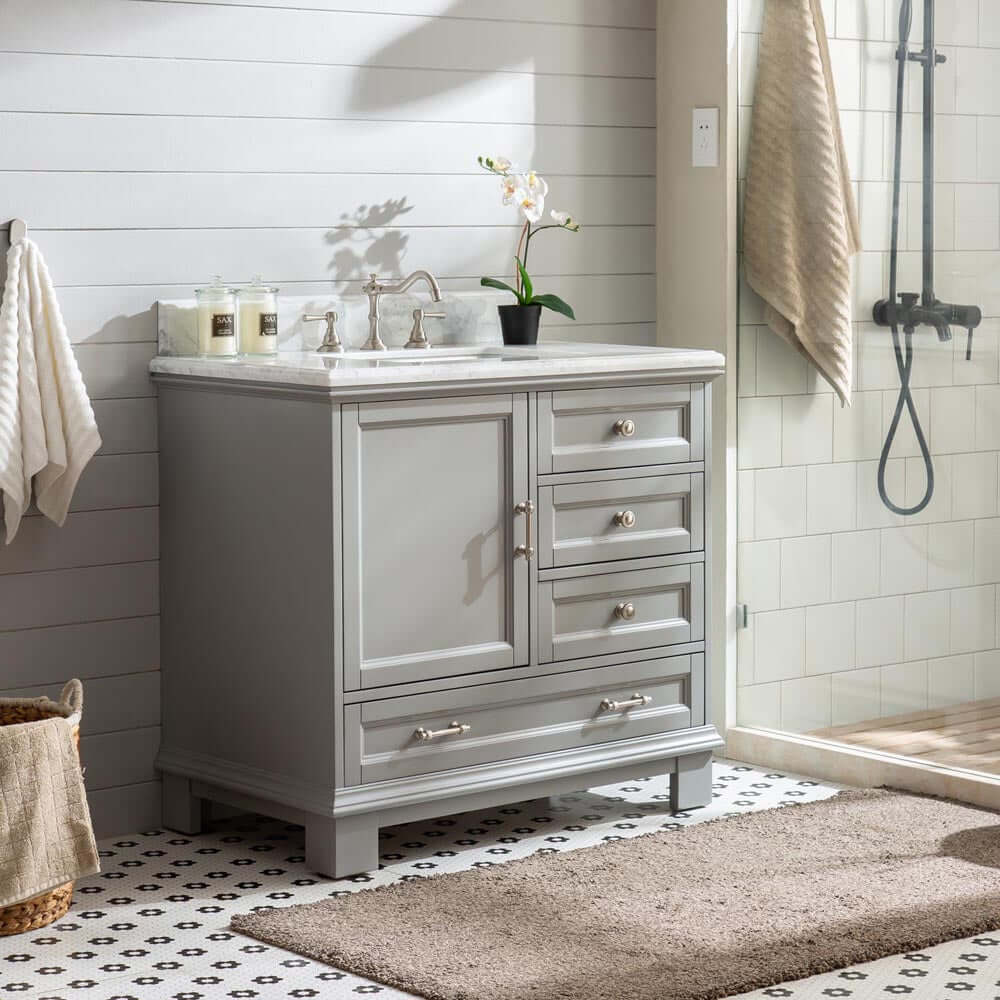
point(554, 303)
point(526, 285)
point(502, 286)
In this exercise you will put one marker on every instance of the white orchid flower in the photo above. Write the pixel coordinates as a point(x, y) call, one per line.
point(497, 164)
point(534, 184)
point(509, 189)
point(532, 205)
point(565, 220)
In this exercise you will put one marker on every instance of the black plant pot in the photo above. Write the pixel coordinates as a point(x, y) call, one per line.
point(519, 324)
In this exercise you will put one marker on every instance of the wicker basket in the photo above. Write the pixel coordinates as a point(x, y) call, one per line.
point(47, 906)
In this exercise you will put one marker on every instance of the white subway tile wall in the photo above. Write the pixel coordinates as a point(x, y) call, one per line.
point(855, 612)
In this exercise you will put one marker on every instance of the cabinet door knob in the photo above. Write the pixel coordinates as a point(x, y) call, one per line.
point(624, 427)
point(625, 518)
point(454, 729)
point(625, 610)
point(636, 701)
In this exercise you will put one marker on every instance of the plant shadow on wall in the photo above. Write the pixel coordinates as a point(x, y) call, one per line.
point(364, 244)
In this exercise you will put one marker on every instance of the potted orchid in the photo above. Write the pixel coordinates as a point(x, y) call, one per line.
point(526, 190)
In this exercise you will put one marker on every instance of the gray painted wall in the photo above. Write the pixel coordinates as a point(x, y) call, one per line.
point(150, 143)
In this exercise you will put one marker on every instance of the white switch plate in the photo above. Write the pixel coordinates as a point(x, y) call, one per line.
point(705, 137)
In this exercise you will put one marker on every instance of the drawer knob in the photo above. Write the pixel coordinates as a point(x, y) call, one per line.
point(636, 701)
point(625, 518)
point(454, 729)
point(624, 427)
point(625, 610)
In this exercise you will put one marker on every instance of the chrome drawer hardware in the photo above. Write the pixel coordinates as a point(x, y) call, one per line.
point(636, 701)
point(454, 729)
point(624, 428)
point(625, 610)
point(625, 518)
point(527, 508)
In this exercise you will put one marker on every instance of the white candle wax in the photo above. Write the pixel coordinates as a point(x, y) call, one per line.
point(258, 323)
point(216, 328)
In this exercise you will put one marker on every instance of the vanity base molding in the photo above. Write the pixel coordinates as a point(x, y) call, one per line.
point(342, 825)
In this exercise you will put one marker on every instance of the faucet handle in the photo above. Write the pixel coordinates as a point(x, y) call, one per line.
point(331, 342)
point(418, 337)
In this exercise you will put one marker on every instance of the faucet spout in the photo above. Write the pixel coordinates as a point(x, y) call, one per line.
point(409, 280)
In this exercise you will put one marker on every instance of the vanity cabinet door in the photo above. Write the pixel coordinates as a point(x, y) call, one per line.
point(433, 586)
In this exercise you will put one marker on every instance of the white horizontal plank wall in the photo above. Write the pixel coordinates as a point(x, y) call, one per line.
point(152, 143)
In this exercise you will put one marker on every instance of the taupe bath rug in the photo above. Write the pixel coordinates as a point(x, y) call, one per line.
point(711, 910)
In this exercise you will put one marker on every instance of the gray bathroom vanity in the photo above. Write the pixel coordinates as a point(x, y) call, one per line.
point(409, 585)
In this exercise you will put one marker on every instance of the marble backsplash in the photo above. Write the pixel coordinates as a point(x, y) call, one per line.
point(470, 318)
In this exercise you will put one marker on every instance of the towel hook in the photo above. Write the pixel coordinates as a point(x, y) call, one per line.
point(18, 230)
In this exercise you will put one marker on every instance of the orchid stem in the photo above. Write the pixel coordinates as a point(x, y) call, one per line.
point(527, 242)
point(521, 243)
point(527, 246)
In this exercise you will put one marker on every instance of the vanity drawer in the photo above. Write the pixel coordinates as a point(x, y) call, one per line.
point(620, 519)
point(615, 612)
point(581, 429)
point(517, 718)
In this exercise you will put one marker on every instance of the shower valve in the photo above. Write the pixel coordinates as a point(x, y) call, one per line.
point(940, 315)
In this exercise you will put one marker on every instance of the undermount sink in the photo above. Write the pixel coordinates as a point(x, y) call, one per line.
point(432, 357)
point(428, 357)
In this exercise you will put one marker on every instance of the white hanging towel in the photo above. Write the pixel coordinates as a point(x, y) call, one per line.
point(48, 432)
point(800, 224)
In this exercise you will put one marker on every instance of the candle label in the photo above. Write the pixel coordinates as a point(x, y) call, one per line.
point(223, 325)
point(269, 324)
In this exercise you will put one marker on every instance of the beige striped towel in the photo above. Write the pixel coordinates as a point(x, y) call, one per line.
point(46, 838)
point(800, 225)
point(48, 432)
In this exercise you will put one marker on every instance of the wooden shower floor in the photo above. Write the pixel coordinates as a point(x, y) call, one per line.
point(966, 735)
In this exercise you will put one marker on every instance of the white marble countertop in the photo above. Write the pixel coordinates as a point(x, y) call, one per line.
point(487, 363)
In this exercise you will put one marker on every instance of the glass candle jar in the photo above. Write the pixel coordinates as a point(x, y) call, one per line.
point(258, 318)
point(216, 320)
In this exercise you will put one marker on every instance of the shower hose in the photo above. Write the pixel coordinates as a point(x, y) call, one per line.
point(903, 350)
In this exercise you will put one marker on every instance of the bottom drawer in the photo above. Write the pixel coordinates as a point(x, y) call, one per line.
point(399, 737)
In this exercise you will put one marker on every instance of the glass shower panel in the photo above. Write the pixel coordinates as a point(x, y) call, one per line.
point(870, 571)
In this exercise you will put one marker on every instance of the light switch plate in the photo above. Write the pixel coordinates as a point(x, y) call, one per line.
point(705, 137)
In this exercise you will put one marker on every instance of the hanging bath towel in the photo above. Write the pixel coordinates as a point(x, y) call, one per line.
point(48, 432)
point(800, 224)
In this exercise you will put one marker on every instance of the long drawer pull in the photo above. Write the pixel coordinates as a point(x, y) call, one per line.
point(454, 729)
point(624, 427)
point(625, 610)
point(527, 508)
point(636, 701)
point(625, 518)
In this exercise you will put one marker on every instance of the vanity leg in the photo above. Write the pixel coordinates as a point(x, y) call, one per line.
point(342, 847)
point(691, 782)
point(182, 810)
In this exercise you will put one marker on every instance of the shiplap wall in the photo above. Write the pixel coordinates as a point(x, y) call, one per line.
point(151, 143)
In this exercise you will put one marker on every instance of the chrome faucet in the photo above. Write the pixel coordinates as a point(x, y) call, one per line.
point(374, 289)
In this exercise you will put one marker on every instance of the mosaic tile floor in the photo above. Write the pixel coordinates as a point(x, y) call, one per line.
point(153, 924)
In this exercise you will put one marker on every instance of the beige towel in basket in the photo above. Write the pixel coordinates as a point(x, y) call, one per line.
point(800, 225)
point(46, 838)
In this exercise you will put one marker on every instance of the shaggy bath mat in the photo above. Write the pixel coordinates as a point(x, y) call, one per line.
point(711, 910)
